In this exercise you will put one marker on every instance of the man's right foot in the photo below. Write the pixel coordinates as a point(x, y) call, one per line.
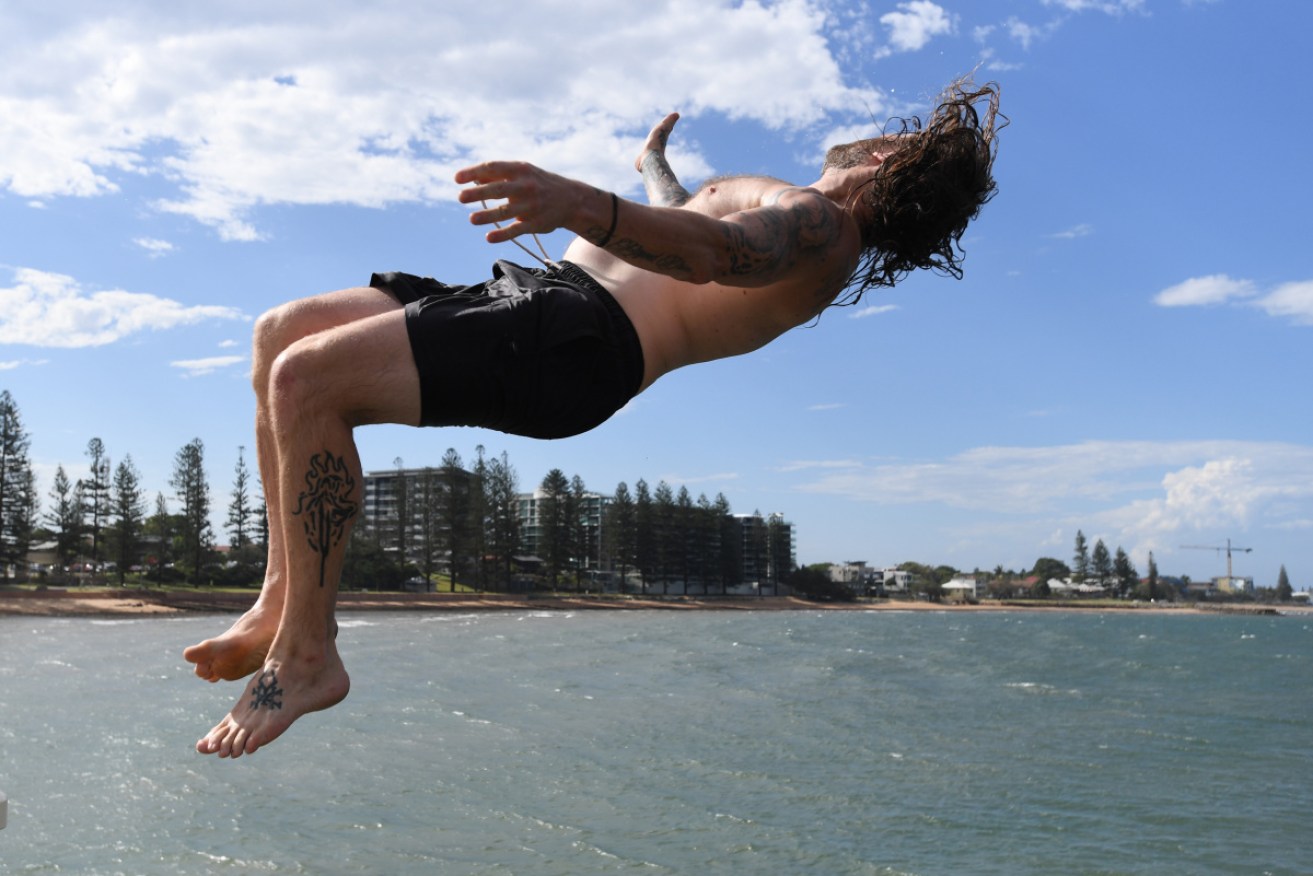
point(238, 652)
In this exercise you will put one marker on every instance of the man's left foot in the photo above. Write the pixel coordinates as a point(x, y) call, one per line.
point(239, 651)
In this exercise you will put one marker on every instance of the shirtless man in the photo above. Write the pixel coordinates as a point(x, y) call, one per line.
point(642, 291)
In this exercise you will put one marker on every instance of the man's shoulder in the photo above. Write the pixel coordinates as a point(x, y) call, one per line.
point(817, 220)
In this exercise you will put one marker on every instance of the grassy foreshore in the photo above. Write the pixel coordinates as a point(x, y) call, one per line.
point(111, 602)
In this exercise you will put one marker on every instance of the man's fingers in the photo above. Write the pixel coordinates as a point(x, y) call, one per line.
point(489, 171)
point(490, 214)
point(488, 191)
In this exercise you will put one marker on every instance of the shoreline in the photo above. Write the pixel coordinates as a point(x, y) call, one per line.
point(110, 602)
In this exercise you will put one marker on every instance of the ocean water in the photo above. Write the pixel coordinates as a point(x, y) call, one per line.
point(672, 743)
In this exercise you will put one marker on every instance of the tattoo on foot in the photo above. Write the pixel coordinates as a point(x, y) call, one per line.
point(327, 504)
point(267, 692)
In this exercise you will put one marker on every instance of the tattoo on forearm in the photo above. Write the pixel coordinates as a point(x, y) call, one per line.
point(327, 505)
point(663, 188)
point(635, 253)
point(267, 693)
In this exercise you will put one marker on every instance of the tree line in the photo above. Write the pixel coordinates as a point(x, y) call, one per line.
point(469, 526)
point(466, 524)
point(101, 520)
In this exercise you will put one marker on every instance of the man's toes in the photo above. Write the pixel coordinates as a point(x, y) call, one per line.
point(236, 744)
point(209, 743)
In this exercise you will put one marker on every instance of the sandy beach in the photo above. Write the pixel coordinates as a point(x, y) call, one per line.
point(110, 602)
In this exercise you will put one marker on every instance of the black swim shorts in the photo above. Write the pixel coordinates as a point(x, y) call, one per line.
point(545, 353)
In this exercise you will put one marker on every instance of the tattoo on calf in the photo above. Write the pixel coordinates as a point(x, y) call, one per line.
point(267, 692)
point(327, 505)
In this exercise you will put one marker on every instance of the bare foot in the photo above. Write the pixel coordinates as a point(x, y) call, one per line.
point(241, 650)
point(283, 690)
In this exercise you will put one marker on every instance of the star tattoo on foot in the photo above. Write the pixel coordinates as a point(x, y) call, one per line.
point(267, 691)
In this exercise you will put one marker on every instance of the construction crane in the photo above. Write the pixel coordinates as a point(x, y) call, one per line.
point(1228, 548)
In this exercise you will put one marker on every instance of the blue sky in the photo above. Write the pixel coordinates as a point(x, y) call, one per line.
point(1128, 354)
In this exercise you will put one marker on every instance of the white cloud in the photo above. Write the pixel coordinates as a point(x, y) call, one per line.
point(1025, 33)
point(814, 464)
point(1082, 230)
point(201, 367)
point(1110, 7)
point(1291, 300)
point(14, 364)
point(913, 26)
point(1197, 291)
point(1189, 481)
point(155, 248)
point(682, 480)
point(347, 104)
point(826, 407)
point(873, 310)
point(1221, 493)
point(1145, 496)
point(53, 310)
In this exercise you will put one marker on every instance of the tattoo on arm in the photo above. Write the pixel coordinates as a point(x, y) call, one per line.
point(663, 188)
point(267, 693)
point(327, 505)
point(635, 253)
point(778, 238)
point(764, 244)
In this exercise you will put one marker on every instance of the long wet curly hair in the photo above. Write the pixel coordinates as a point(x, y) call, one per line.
point(925, 193)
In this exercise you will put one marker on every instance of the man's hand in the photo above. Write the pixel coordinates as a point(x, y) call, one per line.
point(656, 140)
point(663, 188)
point(535, 201)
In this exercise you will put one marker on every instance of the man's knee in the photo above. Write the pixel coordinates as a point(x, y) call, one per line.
point(296, 379)
point(275, 330)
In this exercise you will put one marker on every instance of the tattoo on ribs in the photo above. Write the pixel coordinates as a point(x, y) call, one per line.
point(326, 505)
point(267, 692)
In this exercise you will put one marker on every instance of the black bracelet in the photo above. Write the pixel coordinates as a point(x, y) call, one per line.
point(615, 216)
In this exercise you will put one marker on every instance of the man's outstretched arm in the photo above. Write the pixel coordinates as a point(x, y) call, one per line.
point(796, 233)
point(663, 188)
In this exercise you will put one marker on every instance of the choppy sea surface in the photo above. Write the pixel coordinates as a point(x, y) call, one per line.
point(672, 743)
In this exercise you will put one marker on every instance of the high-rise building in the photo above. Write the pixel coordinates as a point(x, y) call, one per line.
point(589, 518)
point(769, 550)
point(404, 512)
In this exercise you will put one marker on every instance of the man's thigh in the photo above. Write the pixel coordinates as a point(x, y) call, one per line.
point(363, 370)
point(290, 322)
